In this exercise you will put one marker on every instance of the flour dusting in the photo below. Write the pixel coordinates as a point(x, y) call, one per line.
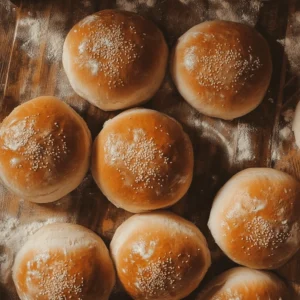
point(235, 10)
point(292, 43)
point(13, 235)
point(245, 144)
point(33, 31)
point(86, 3)
point(285, 132)
point(133, 6)
point(288, 115)
point(30, 32)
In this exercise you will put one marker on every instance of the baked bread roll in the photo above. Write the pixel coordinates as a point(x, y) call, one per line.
point(245, 284)
point(64, 261)
point(44, 150)
point(115, 59)
point(255, 218)
point(142, 160)
point(159, 255)
point(221, 68)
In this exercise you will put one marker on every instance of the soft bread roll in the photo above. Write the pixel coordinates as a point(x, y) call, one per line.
point(44, 150)
point(159, 256)
point(223, 69)
point(64, 261)
point(115, 59)
point(245, 284)
point(142, 160)
point(255, 218)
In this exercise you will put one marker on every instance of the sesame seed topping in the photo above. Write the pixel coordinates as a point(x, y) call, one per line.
point(219, 68)
point(140, 158)
point(156, 277)
point(53, 278)
point(41, 149)
point(261, 233)
point(106, 50)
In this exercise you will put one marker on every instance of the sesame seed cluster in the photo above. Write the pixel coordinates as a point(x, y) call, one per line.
point(108, 49)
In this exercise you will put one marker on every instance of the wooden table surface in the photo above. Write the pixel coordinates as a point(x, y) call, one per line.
point(32, 33)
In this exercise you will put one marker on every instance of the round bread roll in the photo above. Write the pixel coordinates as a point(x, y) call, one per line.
point(64, 261)
point(255, 218)
point(115, 59)
point(221, 68)
point(142, 160)
point(245, 284)
point(44, 150)
point(159, 256)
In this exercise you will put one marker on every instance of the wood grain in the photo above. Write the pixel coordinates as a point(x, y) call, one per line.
point(33, 32)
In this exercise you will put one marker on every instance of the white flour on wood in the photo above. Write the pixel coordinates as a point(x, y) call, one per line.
point(32, 32)
point(292, 43)
point(130, 5)
point(12, 237)
point(242, 11)
point(245, 151)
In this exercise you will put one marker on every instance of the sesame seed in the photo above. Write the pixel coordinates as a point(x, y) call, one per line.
point(142, 159)
point(106, 50)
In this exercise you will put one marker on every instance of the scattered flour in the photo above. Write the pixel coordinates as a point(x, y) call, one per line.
point(12, 237)
point(31, 31)
point(186, 2)
point(86, 3)
point(288, 115)
point(130, 5)
point(292, 43)
point(243, 11)
point(7, 5)
point(285, 132)
point(245, 143)
point(64, 89)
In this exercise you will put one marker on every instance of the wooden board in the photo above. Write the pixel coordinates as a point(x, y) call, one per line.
point(31, 37)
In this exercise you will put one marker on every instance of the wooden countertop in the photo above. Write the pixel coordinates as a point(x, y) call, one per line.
point(32, 33)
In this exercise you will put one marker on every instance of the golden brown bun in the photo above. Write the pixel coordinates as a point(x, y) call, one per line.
point(64, 261)
point(115, 59)
point(223, 69)
point(142, 160)
point(245, 284)
point(255, 218)
point(44, 150)
point(159, 255)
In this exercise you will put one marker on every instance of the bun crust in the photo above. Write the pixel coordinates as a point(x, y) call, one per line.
point(142, 160)
point(64, 261)
point(45, 150)
point(255, 218)
point(159, 256)
point(246, 284)
point(115, 59)
point(223, 69)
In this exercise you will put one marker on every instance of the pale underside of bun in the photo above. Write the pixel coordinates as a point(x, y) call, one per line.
point(246, 284)
point(255, 218)
point(111, 59)
point(64, 261)
point(142, 160)
point(159, 256)
point(45, 150)
point(222, 68)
